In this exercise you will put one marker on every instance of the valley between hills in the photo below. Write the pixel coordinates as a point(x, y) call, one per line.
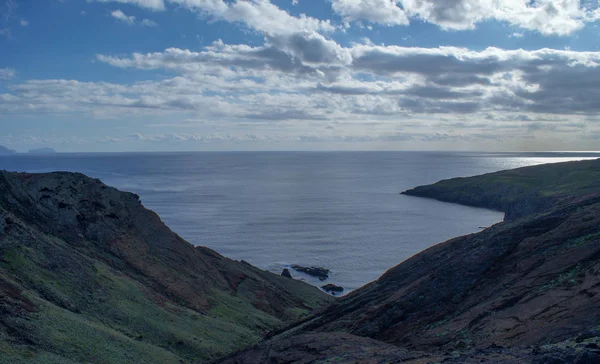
point(87, 274)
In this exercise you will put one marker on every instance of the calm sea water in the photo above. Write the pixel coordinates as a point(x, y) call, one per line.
point(339, 210)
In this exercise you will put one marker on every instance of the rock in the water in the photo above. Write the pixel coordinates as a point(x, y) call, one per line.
point(332, 288)
point(321, 273)
point(286, 273)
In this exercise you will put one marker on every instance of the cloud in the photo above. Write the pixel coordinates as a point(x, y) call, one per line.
point(191, 137)
point(23, 22)
point(157, 5)
point(7, 73)
point(108, 140)
point(385, 12)
point(8, 10)
point(308, 54)
point(120, 16)
point(258, 15)
point(421, 80)
point(148, 23)
point(302, 76)
point(130, 20)
point(301, 85)
point(310, 47)
point(548, 17)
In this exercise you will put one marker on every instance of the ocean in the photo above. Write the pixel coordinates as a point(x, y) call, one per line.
point(338, 210)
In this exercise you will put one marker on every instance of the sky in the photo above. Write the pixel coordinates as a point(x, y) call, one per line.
point(181, 75)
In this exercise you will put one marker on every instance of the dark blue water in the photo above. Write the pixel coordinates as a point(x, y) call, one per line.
point(340, 210)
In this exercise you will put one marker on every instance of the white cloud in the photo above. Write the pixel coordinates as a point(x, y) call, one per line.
point(8, 10)
point(7, 73)
point(282, 109)
point(300, 77)
point(148, 23)
point(308, 54)
point(23, 22)
point(407, 79)
point(548, 17)
point(157, 5)
point(120, 16)
point(258, 15)
point(385, 12)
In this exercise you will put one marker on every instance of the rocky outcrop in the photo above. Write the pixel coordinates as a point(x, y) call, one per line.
point(319, 272)
point(332, 288)
point(85, 268)
point(286, 273)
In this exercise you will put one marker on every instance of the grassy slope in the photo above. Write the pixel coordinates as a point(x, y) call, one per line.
point(63, 303)
point(118, 320)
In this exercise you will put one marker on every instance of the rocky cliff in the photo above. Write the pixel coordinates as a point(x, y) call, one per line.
point(525, 290)
point(88, 274)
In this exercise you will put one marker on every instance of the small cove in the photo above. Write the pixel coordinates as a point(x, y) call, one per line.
point(338, 210)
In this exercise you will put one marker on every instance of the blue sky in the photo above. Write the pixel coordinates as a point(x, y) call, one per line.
point(132, 75)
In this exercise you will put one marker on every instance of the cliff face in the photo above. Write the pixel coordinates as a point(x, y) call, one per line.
point(520, 291)
point(87, 273)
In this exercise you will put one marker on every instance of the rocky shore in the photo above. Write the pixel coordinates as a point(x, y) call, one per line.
point(319, 272)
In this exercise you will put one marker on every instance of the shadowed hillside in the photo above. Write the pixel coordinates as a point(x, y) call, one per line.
point(88, 274)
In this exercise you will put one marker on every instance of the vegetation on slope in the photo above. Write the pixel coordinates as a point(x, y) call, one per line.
point(88, 274)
